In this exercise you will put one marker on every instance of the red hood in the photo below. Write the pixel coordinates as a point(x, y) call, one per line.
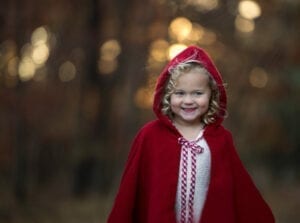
point(197, 55)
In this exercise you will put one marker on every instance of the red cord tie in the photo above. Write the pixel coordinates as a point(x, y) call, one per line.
point(190, 145)
point(195, 149)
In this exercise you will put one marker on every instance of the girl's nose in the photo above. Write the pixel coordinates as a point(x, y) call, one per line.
point(188, 99)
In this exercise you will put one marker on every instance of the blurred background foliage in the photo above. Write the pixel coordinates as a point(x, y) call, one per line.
point(76, 83)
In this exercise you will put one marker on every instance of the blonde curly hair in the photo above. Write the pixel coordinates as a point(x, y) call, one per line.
point(210, 116)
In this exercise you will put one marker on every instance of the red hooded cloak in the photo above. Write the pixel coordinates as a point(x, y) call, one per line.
point(148, 187)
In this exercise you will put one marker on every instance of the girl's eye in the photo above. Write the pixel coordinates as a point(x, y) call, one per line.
point(179, 93)
point(198, 93)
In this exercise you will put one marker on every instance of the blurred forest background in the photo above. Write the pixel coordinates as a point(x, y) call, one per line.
point(76, 83)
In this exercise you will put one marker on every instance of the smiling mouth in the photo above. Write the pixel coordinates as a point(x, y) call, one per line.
point(188, 109)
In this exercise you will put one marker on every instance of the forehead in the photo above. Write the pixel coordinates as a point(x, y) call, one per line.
point(193, 77)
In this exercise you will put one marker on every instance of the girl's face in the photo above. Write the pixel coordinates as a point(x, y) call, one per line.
point(191, 97)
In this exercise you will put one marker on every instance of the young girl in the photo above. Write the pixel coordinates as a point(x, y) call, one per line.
point(183, 166)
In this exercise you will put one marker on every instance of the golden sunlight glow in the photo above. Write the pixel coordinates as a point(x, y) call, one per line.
point(244, 25)
point(26, 69)
point(40, 54)
point(12, 65)
point(197, 33)
point(249, 9)
point(144, 98)
point(39, 36)
point(8, 50)
point(204, 5)
point(9, 62)
point(180, 28)
point(158, 50)
point(109, 52)
point(175, 49)
point(107, 67)
point(258, 77)
point(144, 95)
point(35, 54)
point(67, 71)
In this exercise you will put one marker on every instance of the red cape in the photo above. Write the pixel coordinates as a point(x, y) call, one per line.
point(148, 187)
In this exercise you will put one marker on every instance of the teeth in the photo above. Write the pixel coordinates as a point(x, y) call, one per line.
point(188, 109)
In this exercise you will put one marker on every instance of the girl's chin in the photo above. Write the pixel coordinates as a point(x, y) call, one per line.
point(189, 114)
point(190, 118)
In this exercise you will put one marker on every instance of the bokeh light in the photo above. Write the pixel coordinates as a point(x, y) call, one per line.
point(159, 49)
point(40, 48)
point(35, 54)
point(144, 98)
point(180, 28)
point(175, 49)
point(67, 71)
point(12, 65)
point(249, 9)
point(196, 33)
point(26, 69)
point(39, 36)
point(40, 54)
point(11, 79)
point(244, 25)
point(258, 77)
point(203, 5)
point(107, 67)
point(109, 51)
point(8, 63)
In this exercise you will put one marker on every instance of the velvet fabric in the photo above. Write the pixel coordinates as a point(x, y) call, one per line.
point(148, 186)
